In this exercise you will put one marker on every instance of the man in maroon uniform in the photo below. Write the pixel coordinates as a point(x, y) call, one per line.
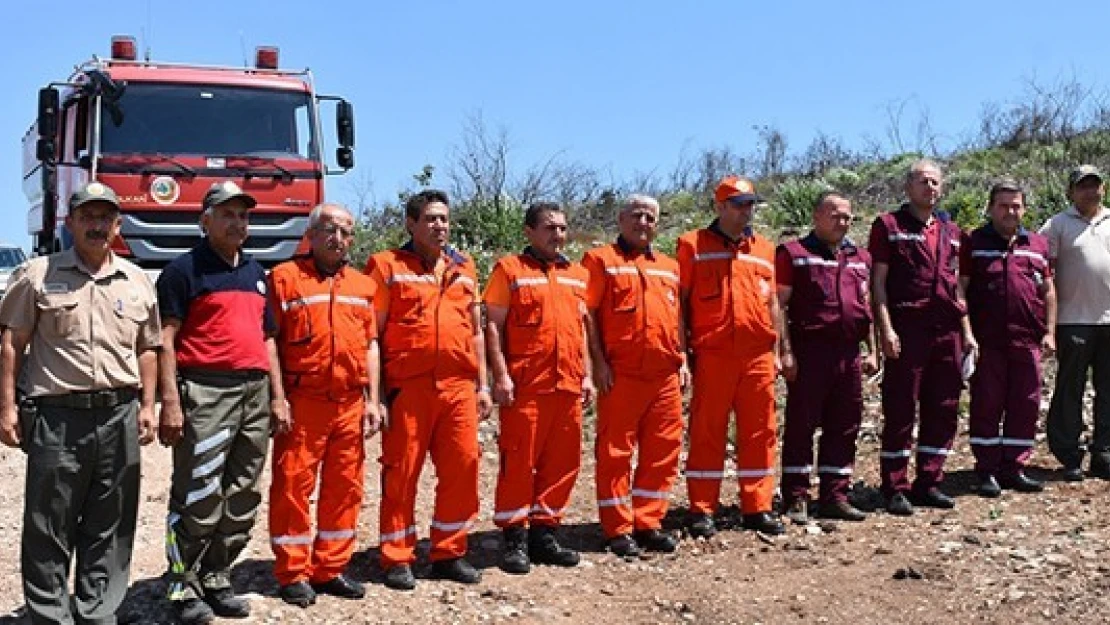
point(822, 283)
point(1012, 303)
point(922, 326)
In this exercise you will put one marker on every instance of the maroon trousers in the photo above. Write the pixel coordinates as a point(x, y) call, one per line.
point(828, 394)
point(1005, 403)
point(926, 374)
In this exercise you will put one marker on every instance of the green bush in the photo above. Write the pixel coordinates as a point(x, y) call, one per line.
point(791, 203)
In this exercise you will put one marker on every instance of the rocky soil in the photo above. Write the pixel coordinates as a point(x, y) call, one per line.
point(1021, 558)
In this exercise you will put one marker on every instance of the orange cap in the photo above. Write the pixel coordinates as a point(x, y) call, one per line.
point(738, 188)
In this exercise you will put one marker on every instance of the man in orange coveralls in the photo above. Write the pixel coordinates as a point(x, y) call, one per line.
point(327, 341)
point(637, 346)
point(733, 320)
point(434, 358)
point(536, 341)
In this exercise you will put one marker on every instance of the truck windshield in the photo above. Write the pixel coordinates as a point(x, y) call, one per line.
point(209, 120)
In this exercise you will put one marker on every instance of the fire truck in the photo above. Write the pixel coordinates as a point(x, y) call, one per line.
point(160, 134)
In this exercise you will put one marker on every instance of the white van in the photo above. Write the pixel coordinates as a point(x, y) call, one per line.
point(11, 256)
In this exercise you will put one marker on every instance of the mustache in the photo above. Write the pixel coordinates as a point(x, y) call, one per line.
point(96, 235)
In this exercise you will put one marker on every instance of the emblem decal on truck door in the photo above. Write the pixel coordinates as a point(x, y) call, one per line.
point(165, 190)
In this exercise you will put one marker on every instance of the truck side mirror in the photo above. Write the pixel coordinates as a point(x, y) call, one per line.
point(345, 157)
point(49, 102)
point(345, 123)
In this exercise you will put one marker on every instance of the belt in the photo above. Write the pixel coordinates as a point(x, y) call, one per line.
point(91, 400)
point(217, 376)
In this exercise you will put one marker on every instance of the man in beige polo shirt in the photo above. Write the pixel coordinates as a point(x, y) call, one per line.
point(91, 324)
point(1079, 247)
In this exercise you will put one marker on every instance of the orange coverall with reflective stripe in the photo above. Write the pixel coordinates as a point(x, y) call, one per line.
point(727, 288)
point(543, 343)
point(430, 367)
point(634, 300)
point(325, 329)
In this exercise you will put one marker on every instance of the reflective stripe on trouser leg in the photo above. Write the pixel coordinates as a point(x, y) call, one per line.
point(246, 459)
point(715, 380)
point(941, 385)
point(558, 455)
point(660, 435)
point(618, 415)
point(516, 445)
point(412, 414)
point(1023, 403)
point(901, 382)
point(756, 432)
point(341, 491)
point(295, 468)
point(988, 401)
point(840, 422)
point(216, 465)
point(805, 399)
point(454, 450)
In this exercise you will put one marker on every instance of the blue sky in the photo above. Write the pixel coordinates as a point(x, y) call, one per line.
point(623, 86)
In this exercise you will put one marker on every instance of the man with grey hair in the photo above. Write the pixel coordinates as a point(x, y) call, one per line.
point(638, 351)
point(222, 393)
point(1079, 249)
point(922, 326)
point(327, 340)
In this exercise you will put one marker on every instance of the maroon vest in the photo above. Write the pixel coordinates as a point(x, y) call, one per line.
point(828, 299)
point(919, 279)
point(1004, 296)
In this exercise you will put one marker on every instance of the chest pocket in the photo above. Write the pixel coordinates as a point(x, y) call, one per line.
point(528, 306)
point(129, 318)
point(622, 293)
point(297, 326)
point(59, 315)
point(408, 307)
point(709, 281)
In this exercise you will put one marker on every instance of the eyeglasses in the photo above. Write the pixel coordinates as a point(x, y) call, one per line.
point(335, 229)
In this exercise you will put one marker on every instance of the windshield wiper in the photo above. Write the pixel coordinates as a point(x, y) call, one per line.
point(258, 160)
point(165, 158)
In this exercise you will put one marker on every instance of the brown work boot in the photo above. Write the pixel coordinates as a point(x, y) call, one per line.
point(841, 510)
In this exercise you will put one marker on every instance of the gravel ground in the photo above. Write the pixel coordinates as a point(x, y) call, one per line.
point(1021, 558)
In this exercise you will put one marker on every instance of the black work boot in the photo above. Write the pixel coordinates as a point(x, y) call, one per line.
point(514, 558)
point(224, 603)
point(456, 570)
point(545, 549)
point(300, 594)
point(400, 577)
point(193, 612)
point(700, 525)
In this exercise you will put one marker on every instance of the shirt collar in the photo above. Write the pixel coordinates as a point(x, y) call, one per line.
point(560, 260)
point(310, 261)
point(938, 214)
point(814, 244)
point(68, 259)
point(1022, 234)
point(205, 246)
point(715, 228)
point(1074, 212)
point(628, 250)
point(451, 253)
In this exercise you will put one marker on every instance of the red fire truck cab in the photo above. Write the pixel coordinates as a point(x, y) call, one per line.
point(160, 134)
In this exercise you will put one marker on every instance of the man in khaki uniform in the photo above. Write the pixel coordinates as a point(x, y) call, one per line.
point(90, 321)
